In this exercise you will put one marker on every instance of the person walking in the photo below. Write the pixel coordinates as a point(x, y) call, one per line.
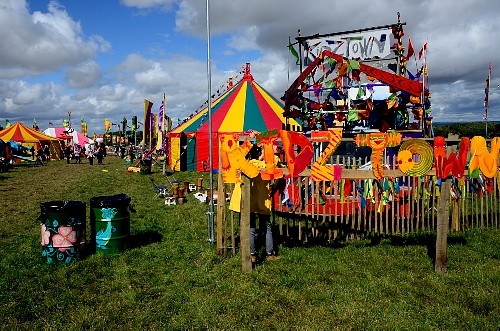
point(90, 153)
point(100, 153)
point(46, 152)
point(67, 152)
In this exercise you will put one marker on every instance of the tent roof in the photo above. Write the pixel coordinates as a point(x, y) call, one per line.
point(23, 134)
point(247, 106)
point(77, 137)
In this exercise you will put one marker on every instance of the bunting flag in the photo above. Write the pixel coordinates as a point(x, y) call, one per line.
point(422, 51)
point(7, 124)
point(486, 95)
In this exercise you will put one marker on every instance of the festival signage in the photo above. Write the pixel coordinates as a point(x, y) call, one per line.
point(360, 45)
point(415, 156)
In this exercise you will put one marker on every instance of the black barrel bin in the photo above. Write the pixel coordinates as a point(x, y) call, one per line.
point(110, 223)
point(63, 230)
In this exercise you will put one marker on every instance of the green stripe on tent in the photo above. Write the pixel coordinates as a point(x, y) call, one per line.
point(253, 116)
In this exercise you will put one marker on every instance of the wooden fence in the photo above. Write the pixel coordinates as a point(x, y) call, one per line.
point(360, 206)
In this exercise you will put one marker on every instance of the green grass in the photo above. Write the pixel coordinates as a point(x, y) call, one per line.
point(179, 281)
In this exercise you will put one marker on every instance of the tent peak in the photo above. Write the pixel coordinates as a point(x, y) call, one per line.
point(247, 75)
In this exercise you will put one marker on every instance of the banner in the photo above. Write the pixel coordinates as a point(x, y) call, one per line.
point(359, 45)
point(147, 122)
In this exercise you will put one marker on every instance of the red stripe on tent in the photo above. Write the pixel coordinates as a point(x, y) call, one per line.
point(219, 113)
point(271, 120)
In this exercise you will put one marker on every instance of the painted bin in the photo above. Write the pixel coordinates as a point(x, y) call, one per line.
point(110, 223)
point(63, 230)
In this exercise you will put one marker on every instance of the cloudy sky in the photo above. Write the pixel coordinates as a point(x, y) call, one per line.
point(99, 59)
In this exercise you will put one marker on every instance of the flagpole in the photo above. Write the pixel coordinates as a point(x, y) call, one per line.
point(486, 101)
point(424, 72)
point(210, 212)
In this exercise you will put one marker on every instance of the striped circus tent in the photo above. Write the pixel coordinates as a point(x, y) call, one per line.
point(29, 137)
point(244, 108)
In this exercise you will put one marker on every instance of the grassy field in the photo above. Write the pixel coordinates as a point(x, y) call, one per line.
point(174, 279)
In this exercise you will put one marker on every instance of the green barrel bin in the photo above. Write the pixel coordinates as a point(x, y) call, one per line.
point(110, 223)
point(63, 230)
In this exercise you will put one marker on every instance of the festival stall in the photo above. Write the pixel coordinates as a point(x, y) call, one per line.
point(29, 137)
point(361, 81)
point(244, 108)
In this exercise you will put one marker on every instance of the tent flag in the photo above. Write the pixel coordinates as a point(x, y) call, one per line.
point(162, 126)
point(422, 51)
point(293, 51)
point(160, 117)
point(411, 51)
point(107, 125)
point(84, 127)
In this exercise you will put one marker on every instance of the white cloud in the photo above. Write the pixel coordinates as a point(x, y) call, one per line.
point(42, 42)
point(83, 75)
point(145, 4)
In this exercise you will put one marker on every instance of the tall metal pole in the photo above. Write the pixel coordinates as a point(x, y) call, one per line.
point(210, 212)
point(163, 135)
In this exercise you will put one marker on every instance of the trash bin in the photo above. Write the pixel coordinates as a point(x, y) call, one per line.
point(146, 166)
point(63, 230)
point(110, 223)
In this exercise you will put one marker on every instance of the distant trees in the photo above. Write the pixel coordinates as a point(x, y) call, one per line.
point(468, 129)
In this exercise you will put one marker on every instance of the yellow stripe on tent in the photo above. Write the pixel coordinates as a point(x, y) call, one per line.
point(233, 121)
point(175, 153)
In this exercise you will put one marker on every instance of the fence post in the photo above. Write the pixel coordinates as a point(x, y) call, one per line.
point(221, 213)
point(246, 262)
point(443, 224)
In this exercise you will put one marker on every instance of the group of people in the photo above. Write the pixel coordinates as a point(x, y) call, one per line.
point(79, 152)
point(41, 155)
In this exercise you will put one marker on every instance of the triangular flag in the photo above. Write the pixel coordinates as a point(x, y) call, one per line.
point(293, 52)
point(411, 51)
point(422, 50)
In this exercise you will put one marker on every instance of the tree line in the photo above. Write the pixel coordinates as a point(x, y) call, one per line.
point(467, 129)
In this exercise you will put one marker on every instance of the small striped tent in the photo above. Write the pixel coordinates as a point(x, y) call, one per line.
point(244, 108)
point(29, 137)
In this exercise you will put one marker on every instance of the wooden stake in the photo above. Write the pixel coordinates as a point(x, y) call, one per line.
point(443, 224)
point(246, 262)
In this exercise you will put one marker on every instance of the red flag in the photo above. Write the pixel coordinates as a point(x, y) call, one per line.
point(422, 50)
point(411, 51)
